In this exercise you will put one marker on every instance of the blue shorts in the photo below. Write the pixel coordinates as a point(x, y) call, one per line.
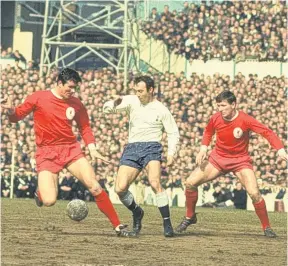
point(139, 154)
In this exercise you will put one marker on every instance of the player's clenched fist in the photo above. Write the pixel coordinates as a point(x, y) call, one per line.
point(170, 160)
point(6, 104)
point(282, 155)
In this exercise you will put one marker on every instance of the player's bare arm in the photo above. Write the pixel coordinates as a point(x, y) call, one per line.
point(172, 131)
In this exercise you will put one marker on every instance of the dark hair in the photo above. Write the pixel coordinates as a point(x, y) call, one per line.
point(147, 80)
point(226, 96)
point(68, 74)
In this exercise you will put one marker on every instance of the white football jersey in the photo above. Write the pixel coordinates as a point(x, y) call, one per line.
point(146, 122)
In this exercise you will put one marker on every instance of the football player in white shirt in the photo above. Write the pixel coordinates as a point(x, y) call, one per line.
point(148, 117)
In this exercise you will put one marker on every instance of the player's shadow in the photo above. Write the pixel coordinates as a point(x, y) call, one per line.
point(197, 234)
point(88, 234)
point(227, 235)
point(85, 233)
point(177, 235)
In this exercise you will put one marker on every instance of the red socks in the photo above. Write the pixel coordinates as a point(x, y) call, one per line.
point(39, 195)
point(261, 211)
point(260, 207)
point(191, 200)
point(105, 205)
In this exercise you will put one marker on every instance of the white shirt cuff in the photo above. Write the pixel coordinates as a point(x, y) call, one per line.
point(282, 150)
point(203, 148)
point(108, 106)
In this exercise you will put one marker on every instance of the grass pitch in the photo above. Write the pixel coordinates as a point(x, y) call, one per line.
point(46, 236)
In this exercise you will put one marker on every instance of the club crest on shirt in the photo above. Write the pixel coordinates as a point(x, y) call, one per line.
point(237, 132)
point(70, 113)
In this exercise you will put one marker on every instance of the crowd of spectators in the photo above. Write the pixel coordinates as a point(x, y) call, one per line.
point(10, 54)
point(223, 30)
point(191, 102)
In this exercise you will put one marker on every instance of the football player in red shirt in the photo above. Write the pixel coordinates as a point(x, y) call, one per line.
point(232, 128)
point(54, 111)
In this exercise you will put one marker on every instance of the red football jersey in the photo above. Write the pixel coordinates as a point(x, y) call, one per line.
point(232, 137)
point(53, 118)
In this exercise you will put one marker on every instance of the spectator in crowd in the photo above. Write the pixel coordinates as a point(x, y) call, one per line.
point(32, 65)
point(9, 51)
point(263, 187)
point(154, 15)
point(239, 197)
point(6, 53)
point(79, 191)
point(18, 57)
point(65, 186)
point(5, 184)
point(206, 187)
point(222, 196)
point(23, 187)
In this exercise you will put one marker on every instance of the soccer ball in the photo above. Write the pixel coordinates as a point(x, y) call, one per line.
point(77, 210)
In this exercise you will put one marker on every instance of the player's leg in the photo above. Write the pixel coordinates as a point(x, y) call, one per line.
point(48, 168)
point(154, 174)
point(205, 173)
point(248, 180)
point(125, 176)
point(83, 171)
point(47, 188)
point(129, 169)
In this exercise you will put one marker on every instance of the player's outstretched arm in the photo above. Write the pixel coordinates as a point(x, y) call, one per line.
point(268, 134)
point(118, 104)
point(18, 113)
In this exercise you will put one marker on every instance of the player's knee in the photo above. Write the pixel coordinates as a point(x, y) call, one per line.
point(156, 186)
point(120, 189)
point(95, 189)
point(191, 186)
point(48, 202)
point(255, 196)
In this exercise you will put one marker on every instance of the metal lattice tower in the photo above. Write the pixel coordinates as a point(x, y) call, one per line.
point(61, 19)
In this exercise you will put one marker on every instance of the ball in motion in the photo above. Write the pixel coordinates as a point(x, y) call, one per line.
point(77, 210)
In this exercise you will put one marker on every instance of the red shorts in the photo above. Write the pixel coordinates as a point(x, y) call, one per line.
point(55, 158)
point(227, 165)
